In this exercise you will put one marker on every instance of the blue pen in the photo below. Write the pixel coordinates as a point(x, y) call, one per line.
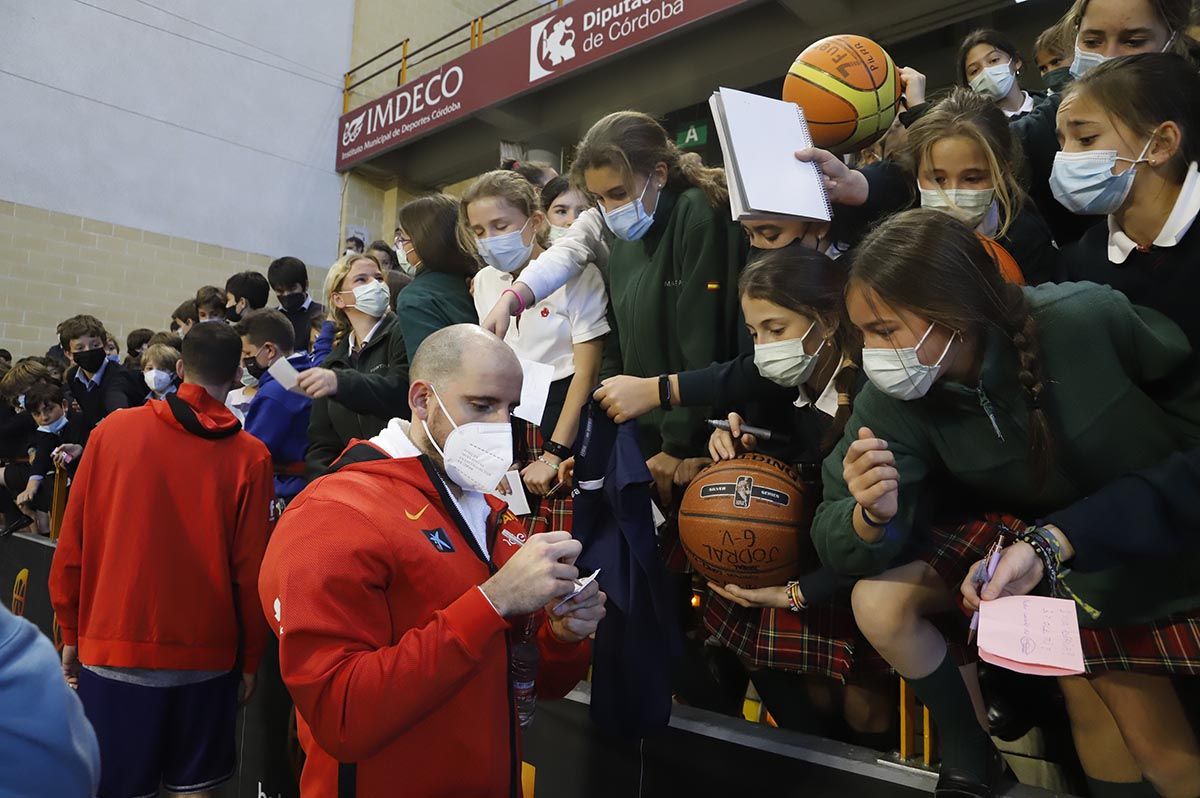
point(982, 577)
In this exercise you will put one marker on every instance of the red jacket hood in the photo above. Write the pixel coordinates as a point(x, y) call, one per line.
point(212, 415)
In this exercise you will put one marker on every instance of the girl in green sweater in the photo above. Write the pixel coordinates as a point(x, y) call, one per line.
point(1023, 400)
point(672, 272)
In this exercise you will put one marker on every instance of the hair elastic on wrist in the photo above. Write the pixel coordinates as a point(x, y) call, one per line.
point(520, 299)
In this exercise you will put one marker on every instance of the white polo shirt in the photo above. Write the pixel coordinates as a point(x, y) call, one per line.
point(546, 332)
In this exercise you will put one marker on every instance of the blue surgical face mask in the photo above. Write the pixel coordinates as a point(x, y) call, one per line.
point(55, 427)
point(21, 401)
point(1083, 182)
point(630, 221)
point(507, 252)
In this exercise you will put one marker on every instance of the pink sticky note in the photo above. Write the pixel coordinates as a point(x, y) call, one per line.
point(1031, 634)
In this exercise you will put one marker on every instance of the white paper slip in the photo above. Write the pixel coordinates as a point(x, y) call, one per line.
point(516, 499)
point(534, 390)
point(580, 584)
point(284, 373)
point(657, 514)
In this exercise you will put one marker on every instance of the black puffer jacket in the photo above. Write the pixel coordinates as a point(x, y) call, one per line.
point(372, 389)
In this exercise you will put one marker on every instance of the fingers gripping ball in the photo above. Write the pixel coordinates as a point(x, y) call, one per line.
point(745, 522)
point(849, 88)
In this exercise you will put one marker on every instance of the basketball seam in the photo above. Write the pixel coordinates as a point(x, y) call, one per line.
point(767, 521)
point(855, 119)
point(878, 106)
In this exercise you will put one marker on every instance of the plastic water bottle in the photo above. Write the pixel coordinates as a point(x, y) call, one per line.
point(524, 672)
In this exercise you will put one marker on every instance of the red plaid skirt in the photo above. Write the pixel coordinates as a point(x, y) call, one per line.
point(548, 515)
point(822, 639)
point(1166, 646)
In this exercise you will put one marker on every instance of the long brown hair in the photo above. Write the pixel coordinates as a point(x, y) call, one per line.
point(431, 223)
point(975, 117)
point(633, 143)
point(932, 264)
point(510, 187)
point(812, 284)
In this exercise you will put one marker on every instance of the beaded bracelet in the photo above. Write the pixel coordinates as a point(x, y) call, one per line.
point(795, 603)
point(1048, 551)
point(546, 462)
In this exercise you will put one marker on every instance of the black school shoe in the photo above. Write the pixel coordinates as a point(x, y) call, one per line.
point(16, 526)
point(954, 783)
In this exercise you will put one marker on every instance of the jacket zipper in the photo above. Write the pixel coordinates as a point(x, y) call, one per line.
point(464, 529)
point(986, 404)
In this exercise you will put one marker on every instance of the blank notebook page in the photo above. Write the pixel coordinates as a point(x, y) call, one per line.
point(764, 136)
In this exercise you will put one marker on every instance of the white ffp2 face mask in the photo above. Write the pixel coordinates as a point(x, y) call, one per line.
point(900, 373)
point(158, 380)
point(477, 455)
point(785, 362)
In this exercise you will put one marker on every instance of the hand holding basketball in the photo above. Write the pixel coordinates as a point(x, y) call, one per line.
point(914, 87)
point(869, 469)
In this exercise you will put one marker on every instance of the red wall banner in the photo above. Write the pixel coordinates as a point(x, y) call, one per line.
point(546, 50)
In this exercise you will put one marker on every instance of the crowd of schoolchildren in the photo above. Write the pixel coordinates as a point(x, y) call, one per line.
point(992, 339)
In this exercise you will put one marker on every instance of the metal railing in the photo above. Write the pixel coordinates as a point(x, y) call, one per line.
point(476, 29)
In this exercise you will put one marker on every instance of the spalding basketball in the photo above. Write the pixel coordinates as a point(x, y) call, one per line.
point(849, 89)
point(745, 522)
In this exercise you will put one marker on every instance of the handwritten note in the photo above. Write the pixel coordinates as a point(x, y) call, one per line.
point(1031, 634)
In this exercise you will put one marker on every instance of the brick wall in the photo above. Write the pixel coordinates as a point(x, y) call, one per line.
point(54, 265)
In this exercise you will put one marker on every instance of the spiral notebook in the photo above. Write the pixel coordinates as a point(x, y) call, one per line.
point(759, 137)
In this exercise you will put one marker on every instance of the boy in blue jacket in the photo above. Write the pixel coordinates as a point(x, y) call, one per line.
point(276, 416)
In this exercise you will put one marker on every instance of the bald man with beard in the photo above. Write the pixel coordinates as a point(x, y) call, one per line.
point(394, 584)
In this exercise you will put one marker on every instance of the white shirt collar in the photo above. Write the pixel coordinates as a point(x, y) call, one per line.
point(827, 402)
point(370, 334)
point(395, 441)
point(1187, 207)
point(1025, 108)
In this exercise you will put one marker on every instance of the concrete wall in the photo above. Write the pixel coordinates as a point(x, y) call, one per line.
point(208, 121)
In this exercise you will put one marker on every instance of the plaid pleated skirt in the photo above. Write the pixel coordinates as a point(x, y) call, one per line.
point(1166, 646)
point(548, 515)
point(821, 640)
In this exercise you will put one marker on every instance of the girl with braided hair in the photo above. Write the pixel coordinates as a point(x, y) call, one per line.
point(984, 395)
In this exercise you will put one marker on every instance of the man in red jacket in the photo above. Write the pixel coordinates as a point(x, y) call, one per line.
point(395, 586)
point(155, 576)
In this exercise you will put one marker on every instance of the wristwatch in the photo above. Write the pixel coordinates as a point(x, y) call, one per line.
point(664, 391)
point(556, 449)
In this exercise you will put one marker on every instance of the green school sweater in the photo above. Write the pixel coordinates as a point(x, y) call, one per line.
point(433, 300)
point(1101, 357)
point(673, 302)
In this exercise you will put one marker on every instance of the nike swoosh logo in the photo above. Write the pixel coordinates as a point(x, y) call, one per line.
point(416, 516)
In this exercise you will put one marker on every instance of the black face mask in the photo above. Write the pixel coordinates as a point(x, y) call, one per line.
point(90, 361)
point(291, 302)
point(252, 368)
point(232, 314)
point(1057, 79)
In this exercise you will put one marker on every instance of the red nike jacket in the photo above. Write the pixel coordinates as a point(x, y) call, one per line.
point(157, 561)
point(397, 662)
